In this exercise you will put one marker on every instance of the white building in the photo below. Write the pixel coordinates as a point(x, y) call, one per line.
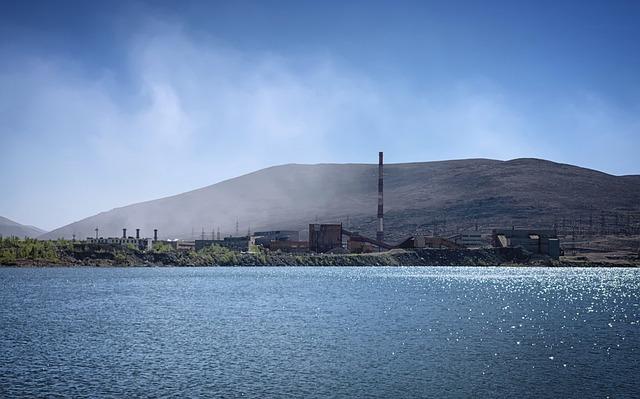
point(470, 240)
point(142, 243)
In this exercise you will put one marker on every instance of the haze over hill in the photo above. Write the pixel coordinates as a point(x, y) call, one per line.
point(10, 228)
point(445, 195)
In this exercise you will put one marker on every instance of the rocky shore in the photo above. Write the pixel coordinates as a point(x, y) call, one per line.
point(67, 254)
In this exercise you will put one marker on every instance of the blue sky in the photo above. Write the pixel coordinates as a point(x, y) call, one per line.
point(103, 104)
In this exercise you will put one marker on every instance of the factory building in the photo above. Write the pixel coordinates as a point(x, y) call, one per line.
point(324, 237)
point(470, 240)
point(266, 238)
point(543, 242)
point(181, 245)
point(141, 243)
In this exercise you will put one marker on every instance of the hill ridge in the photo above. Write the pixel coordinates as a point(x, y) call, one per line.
point(9, 228)
point(419, 197)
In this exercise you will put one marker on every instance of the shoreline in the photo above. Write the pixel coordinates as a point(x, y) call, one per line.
point(397, 258)
point(119, 266)
point(34, 253)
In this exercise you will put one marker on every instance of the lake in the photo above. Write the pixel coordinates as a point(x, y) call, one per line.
point(319, 332)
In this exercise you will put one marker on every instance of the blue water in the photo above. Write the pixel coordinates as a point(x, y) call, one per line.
point(319, 332)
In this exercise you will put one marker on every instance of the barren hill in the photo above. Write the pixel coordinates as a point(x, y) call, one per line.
point(447, 196)
point(10, 228)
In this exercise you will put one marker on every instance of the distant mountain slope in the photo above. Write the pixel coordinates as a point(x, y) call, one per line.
point(445, 195)
point(10, 228)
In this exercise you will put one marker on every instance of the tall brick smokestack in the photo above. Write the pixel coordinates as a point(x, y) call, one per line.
point(155, 234)
point(138, 234)
point(124, 233)
point(380, 233)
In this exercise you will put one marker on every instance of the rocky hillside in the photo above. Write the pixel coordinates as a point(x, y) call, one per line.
point(10, 228)
point(446, 196)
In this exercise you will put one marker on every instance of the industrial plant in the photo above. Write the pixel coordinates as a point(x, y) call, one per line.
point(334, 238)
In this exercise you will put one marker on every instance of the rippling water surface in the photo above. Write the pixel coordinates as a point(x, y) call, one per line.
point(318, 332)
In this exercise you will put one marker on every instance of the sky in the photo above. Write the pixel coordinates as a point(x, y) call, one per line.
point(104, 104)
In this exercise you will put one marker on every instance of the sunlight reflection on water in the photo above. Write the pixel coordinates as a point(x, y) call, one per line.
point(377, 332)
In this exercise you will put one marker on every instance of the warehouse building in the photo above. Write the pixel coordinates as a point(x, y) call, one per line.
point(470, 240)
point(266, 238)
point(542, 242)
point(141, 243)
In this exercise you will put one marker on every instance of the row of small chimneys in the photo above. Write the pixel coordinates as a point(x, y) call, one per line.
point(155, 234)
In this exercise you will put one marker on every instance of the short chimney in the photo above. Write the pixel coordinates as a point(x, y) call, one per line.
point(124, 233)
point(155, 234)
point(138, 234)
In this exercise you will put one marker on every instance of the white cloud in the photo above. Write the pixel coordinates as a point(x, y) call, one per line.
point(195, 112)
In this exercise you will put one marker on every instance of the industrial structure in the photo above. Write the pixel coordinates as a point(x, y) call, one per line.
point(332, 237)
point(470, 240)
point(421, 241)
point(181, 245)
point(324, 237)
point(357, 244)
point(137, 241)
point(140, 243)
point(540, 242)
point(267, 238)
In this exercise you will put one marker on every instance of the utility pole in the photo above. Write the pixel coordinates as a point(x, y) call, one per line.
point(580, 225)
point(444, 224)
